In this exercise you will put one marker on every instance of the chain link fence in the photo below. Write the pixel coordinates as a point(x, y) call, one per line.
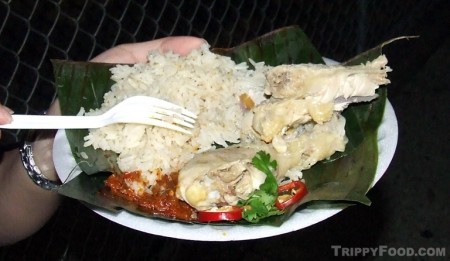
point(34, 32)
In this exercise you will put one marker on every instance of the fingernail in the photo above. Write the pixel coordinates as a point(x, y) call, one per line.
point(8, 110)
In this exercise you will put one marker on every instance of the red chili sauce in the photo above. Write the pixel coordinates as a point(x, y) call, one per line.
point(161, 201)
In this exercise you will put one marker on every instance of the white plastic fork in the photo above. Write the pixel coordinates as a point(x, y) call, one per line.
point(137, 109)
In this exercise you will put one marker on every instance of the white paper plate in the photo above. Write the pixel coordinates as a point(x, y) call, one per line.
point(65, 164)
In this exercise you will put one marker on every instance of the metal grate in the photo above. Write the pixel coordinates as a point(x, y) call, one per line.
point(33, 32)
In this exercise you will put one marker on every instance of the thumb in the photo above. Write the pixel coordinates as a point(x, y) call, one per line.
point(182, 45)
point(5, 114)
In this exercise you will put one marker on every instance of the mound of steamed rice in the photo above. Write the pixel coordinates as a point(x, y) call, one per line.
point(203, 82)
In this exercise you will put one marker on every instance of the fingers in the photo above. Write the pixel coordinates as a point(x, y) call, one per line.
point(5, 115)
point(135, 53)
point(138, 52)
point(182, 45)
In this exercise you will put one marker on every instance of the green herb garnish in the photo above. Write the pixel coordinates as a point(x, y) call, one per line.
point(261, 203)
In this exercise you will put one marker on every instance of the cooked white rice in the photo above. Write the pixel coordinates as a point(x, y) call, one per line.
point(203, 82)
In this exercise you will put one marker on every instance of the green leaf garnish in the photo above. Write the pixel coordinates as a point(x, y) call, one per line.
point(262, 162)
point(261, 203)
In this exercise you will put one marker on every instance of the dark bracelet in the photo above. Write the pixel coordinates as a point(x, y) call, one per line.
point(26, 155)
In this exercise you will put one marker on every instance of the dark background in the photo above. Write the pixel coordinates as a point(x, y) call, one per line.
point(410, 203)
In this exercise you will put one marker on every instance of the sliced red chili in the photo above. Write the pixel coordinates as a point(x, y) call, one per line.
point(290, 193)
point(229, 213)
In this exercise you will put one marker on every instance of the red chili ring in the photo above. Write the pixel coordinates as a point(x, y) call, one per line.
point(298, 191)
point(230, 213)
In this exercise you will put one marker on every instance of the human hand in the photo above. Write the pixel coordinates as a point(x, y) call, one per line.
point(138, 52)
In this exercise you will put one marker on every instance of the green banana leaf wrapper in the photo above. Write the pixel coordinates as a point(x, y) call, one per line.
point(342, 180)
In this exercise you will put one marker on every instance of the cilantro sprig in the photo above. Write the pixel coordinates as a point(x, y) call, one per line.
point(261, 203)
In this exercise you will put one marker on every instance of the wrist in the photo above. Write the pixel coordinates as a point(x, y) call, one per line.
point(37, 159)
point(43, 158)
point(33, 171)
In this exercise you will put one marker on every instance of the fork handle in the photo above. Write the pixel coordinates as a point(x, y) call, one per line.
point(52, 122)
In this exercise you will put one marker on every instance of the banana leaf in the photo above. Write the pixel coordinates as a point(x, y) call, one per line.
point(82, 85)
point(346, 177)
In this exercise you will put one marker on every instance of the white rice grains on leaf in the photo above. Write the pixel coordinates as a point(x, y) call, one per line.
point(203, 82)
